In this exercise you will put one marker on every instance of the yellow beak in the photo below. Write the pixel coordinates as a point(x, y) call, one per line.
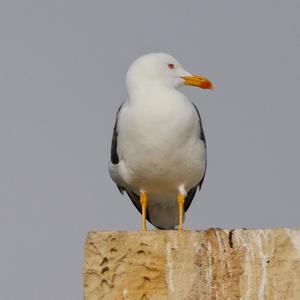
point(199, 81)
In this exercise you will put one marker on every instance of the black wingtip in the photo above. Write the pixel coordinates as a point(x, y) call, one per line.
point(121, 189)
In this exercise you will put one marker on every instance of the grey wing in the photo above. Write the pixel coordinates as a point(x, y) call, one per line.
point(114, 156)
point(114, 159)
point(202, 136)
point(191, 194)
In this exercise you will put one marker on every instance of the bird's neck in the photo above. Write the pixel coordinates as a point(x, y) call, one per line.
point(151, 92)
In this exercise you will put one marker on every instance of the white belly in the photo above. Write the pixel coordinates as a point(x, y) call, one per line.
point(161, 150)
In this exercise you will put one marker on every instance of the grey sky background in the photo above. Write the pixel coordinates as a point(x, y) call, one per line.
point(62, 68)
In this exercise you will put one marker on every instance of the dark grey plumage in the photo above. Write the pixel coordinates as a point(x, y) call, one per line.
point(114, 157)
point(191, 194)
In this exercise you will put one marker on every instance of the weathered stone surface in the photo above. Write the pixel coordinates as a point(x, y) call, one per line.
point(192, 265)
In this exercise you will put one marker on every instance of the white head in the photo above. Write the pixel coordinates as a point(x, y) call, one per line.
point(162, 69)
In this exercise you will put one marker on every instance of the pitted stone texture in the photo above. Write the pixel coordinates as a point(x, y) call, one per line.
point(193, 265)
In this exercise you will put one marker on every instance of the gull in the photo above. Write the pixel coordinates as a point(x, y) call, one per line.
point(158, 149)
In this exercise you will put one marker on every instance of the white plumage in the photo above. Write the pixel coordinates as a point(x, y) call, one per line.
point(158, 144)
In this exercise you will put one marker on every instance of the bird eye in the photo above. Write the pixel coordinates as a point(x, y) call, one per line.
point(171, 66)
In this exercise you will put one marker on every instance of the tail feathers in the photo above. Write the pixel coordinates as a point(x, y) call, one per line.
point(164, 214)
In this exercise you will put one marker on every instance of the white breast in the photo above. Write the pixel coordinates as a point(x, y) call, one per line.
point(159, 144)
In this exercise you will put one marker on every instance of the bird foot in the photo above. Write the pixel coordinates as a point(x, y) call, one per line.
point(144, 203)
point(180, 200)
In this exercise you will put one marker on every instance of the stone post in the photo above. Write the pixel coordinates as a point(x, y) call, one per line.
point(193, 265)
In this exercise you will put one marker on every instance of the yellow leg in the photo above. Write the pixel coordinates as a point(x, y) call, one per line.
point(180, 200)
point(144, 202)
